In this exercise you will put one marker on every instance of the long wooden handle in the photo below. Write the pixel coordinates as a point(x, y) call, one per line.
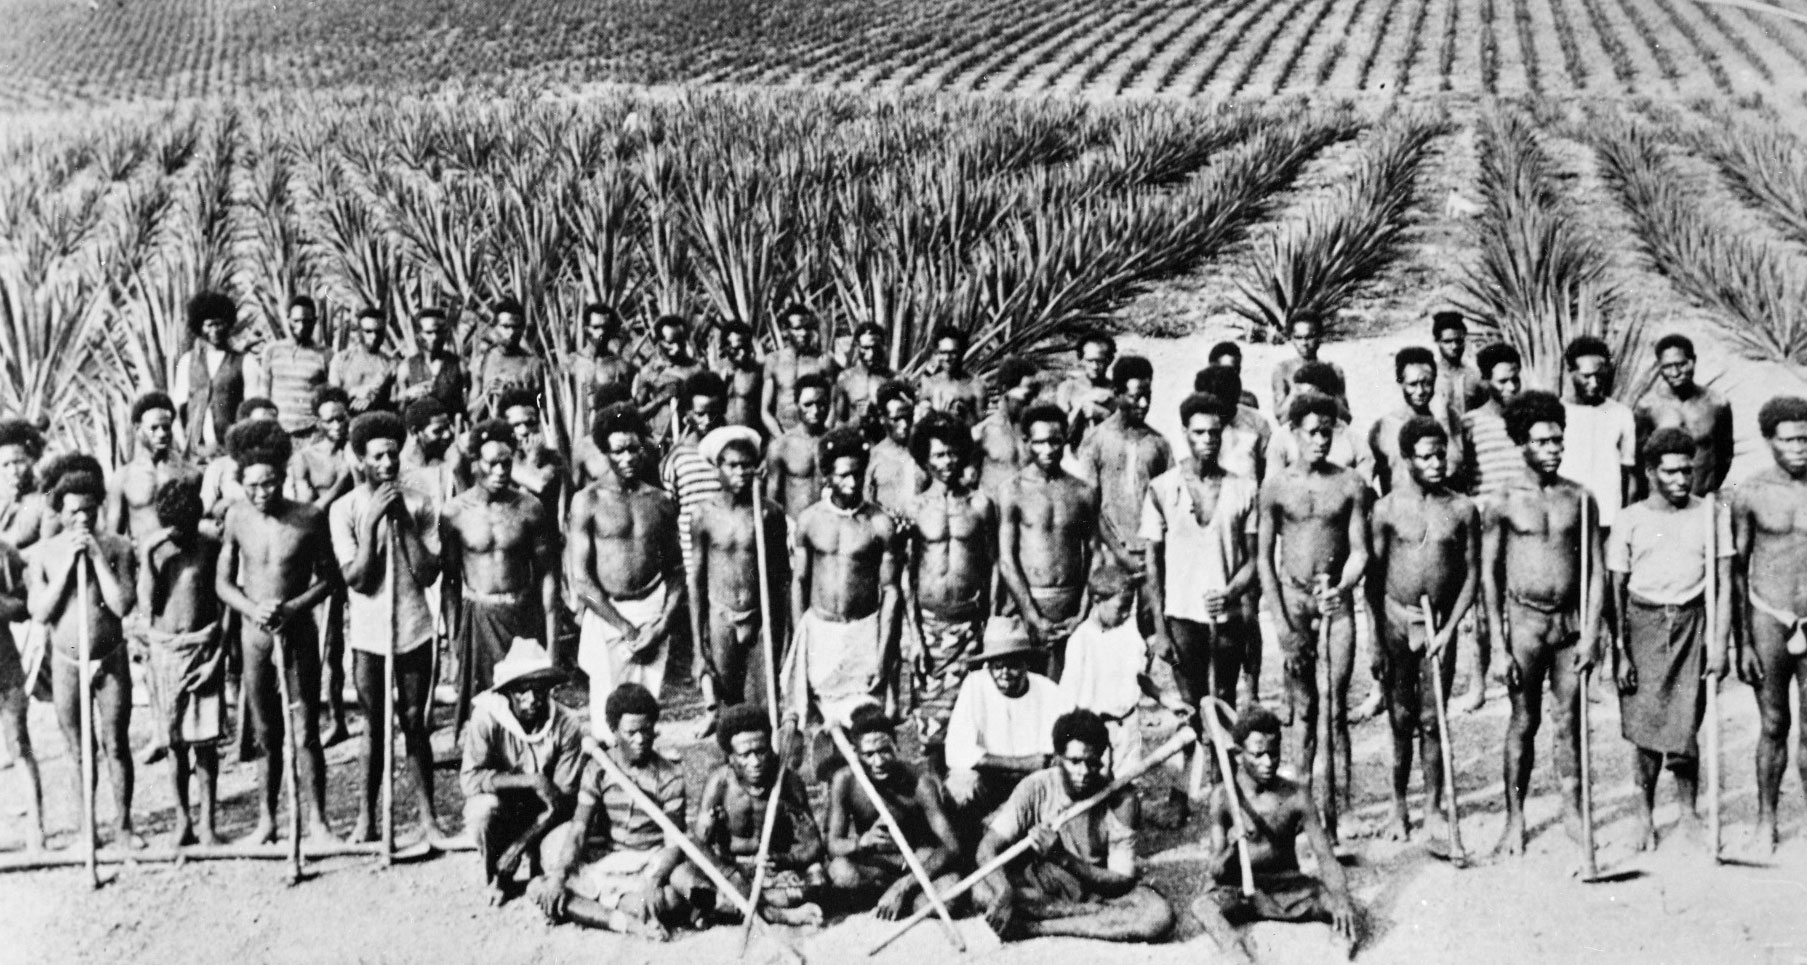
point(1589, 867)
point(290, 748)
point(1450, 802)
point(391, 591)
point(773, 802)
point(1712, 681)
point(85, 680)
point(897, 835)
point(1327, 712)
point(763, 564)
point(1219, 742)
point(1180, 740)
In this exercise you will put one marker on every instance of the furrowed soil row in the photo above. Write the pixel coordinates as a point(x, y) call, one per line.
point(1198, 37)
point(1288, 69)
point(1072, 46)
point(1164, 49)
point(1256, 52)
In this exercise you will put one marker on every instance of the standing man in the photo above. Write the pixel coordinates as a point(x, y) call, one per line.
point(276, 566)
point(506, 364)
point(740, 368)
point(1306, 333)
point(1348, 446)
point(724, 582)
point(856, 388)
point(626, 568)
point(659, 383)
point(1531, 554)
point(1416, 372)
point(1676, 401)
point(500, 564)
point(1228, 355)
point(432, 463)
point(22, 504)
point(365, 371)
point(539, 469)
point(293, 368)
point(1002, 448)
point(1088, 396)
point(948, 387)
point(1048, 522)
point(598, 363)
point(434, 371)
point(793, 467)
point(866, 864)
point(1769, 516)
point(1600, 444)
point(386, 538)
point(786, 369)
point(1248, 434)
point(132, 499)
point(894, 478)
point(953, 552)
point(1460, 386)
point(319, 474)
point(1496, 464)
point(686, 475)
point(1121, 455)
point(1662, 658)
point(211, 378)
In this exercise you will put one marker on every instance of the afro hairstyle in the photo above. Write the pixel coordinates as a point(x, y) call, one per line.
point(841, 442)
point(1321, 376)
point(1221, 381)
point(1301, 406)
point(210, 305)
point(18, 432)
point(1044, 412)
point(1782, 408)
point(178, 503)
point(151, 402)
point(1668, 441)
point(376, 425)
point(1081, 725)
point(259, 442)
point(1528, 409)
point(947, 429)
point(330, 393)
point(1131, 367)
point(629, 698)
point(77, 484)
point(1583, 346)
point(869, 718)
point(254, 405)
point(1255, 720)
point(618, 418)
point(1417, 429)
point(422, 411)
point(1494, 355)
point(491, 430)
point(1412, 355)
point(741, 719)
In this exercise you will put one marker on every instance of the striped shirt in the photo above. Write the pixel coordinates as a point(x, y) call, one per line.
point(690, 479)
point(629, 827)
point(1495, 463)
point(291, 373)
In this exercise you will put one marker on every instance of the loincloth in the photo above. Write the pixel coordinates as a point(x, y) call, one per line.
point(1533, 624)
point(611, 877)
point(194, 712)
point(487, 626)
point(946, 645)
point(602, 651)
point(1666, 645)
point(840, 664)
point(1797, 640)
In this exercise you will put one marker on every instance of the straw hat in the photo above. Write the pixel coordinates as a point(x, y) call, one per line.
point(712, 445)
point(1005, 636)
point(526, 663)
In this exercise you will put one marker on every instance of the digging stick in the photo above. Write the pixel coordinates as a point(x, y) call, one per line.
point(85, 680)
point(1219, 745)
point(393, 577)
point(763, 565)
point(1712, 682)
point(1326, 710)
point(292, 768)
point(1450, 803)
point(1589, 869)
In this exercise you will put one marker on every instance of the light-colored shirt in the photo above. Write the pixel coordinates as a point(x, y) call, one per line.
point(369, 614)
point(1664, 550)
point(692, 481)
point(1599, 442)
point(987, 722)
point(496, 745)
point(1102, 667)
point(1098, 837)
point(290, 374)
point(1198, 558)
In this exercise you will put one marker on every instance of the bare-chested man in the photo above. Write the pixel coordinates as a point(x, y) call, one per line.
point(724, 584)
point(1002, 449)
point(276, 566)
point(731, 817)
point(1312, 549)
point(22, 504)
point(948, 387)
point(741, 369)
point(626, 568)
point(506, 365)
point(953, 551)
point(1769, 518)
point(793, 473)
point(785, 370)
point(59, 570)
point(1087, 396)
point(320, 473)
point(1531, 546)
point(539, 470)
point(856, 388)
point(1426, 545)
point(865, 863)
point(894, 478)
point(21, 514)
point(1047, 525)
point(599, 362)
point(1676, 401)
point(1415, 369)
point(843, 591)
point(659, 383)
point(432, 462)
point(500, 563)
point(435, 370)
point(1121, 455)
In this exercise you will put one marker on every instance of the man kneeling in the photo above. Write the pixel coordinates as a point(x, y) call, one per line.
point(1275, 812)
point(611, 866)
point(867, 863)
point(1079, 880)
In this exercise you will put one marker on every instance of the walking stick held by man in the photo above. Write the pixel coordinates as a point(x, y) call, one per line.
point(389, 592)
point(291, 767)
point(85, 679)
point(1326, 708)
point(1207, 708)
point(1711, 679)
point(1457, 855)
point(1589, 869)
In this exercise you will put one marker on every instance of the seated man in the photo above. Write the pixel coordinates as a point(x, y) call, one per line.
point(1275, 812)
point(998, 733)
point(867, 864)
point(731, 819)
point(611, 866)
point(1080, 879)
point(523, 756)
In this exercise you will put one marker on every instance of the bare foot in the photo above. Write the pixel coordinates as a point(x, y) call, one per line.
point(1764, 839)
point(364, 833)
point(1644, 836)
point(1398, 826)
point(1371, 707)
point(1691, 828)
point(338, 735)
point(34, 839)
point(209, 837)
point(265, 832)
point(154, 754)
point(1436, 834)
point(808, 916)
point(494, 894)
point(321, 834)
point(129, 839)
point(1512, 840)
point(1476, 698)
point(1571, 823)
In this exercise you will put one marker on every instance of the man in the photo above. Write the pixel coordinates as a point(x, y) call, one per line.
point(866, 864)
point(1460, 386)
point(1306, 333)
point(1276, 811)
point(1228, 355)
point(500, 564)
point(320, 473)
point(1348, 445)
point(22, 503)
point(786, 369)
point(432, 463)
point(365, 371)
point(1081, 880)
point(998, 732)
point(386, 538)
point(1002, 449)
point(1426, 546)
point(843, 591)
point(1312, 549)
point(539, 469)
point(598, 361)
point(504, 366)
point(1495, 465)
point(132, 499)
point(1676, 401)
point(1248, 434)
point(793, 477)
point(626, 568)
point(741, 369)
point(1121, 455)
point(1663, 657)
point(15, 702)
point(1416, 372)
point(1600, 444)
point(1769, 516)
point(219, 480)
point(612, 866)
point(687, 476)
point(1088, 396)
point(856, 388)
point(180, 626)
point(523, 759)
point(434, 371)
point(953, 553)
point(659, 383)
point(894, 478)
point(948, 387)
point(210, 378)
point(81, 567)
point(724, 582)
point(292, 368)
point(1199, 524)
point(730, 820)
point(276, 566)
point(1531, 554)
point(1048, 520)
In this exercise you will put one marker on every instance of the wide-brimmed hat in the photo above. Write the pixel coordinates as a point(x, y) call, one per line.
point(527, 663)
point(718, 439)
point(1004, 637)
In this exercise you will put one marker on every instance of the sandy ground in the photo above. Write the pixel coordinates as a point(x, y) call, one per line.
point(1671, 906)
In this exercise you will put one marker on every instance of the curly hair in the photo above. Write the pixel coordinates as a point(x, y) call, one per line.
point(814, 380)
point(740, 719)
point(1222, 349)
point(1782, 408)
point(18, 432)
point(1529, 409)
point(1322, 406)
point(1082, 725)
point(56, 467)
point(151, 402)
point(257, 442)
point(843, 442)
point(178, 504)
point(893, 390)
point(869, 718)
point(254, 405)
point(1417, 429)
point(1494, 355)
point(1675, 340)
point(422, 411)
point(1255, 720)
point(205, 306)
point(704, 384)
point(616, 419)
point(943, 427)
point(507, 305)
point(1131, 367)
point(491, 430)
point(330, 393)
point(629, 698)
point(1221, 381)
point(1446, 321)
point(376, 425)
point(946, 332)
point(518, 397)
point(80, 483)
point(1321, 376)
point(1094, 337)
point(1015, 371)
point(1409, 356)
point(1205, 403)
point(1668, 441)
point(1583, 346)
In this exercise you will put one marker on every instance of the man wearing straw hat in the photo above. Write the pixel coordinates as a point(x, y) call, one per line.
point(867, 865)
point(724, 583)
point(523, 758)
point(999, 731)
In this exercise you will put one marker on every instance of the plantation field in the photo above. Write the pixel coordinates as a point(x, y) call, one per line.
point(58, 52)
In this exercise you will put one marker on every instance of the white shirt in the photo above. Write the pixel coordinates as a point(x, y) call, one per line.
point(1198, 558)
point(1103, 666)
point(987, 722)
point(1599, 441)
point(368, 613)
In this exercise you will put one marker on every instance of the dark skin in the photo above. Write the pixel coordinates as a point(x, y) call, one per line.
point(726, 573)
point(1682, 403)
point(858, 840)
point(532, 707)
point(731, 818)
point(497, 540)
point(175, 580)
